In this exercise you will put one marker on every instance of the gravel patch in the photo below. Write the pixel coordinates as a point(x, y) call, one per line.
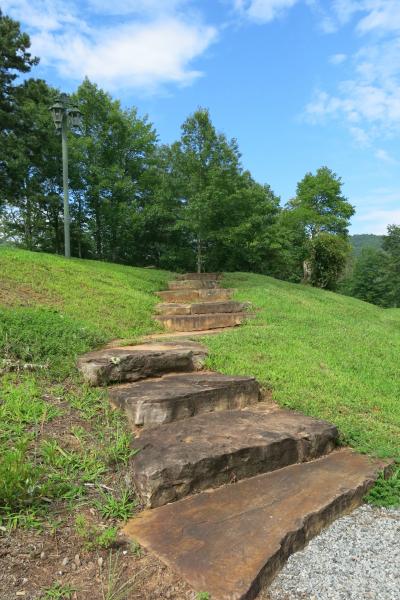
point(356, 558)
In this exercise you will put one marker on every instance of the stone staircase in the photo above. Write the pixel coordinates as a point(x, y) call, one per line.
point(232, 485)
point(196, 302)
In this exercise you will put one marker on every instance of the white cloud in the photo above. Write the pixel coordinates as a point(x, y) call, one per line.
point(382, 15)
point(337, 59)
point(150, 49)
point(383, 155)
point(263, 11)
point(376, 221)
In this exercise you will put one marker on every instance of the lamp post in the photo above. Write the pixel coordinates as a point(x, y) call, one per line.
point(65, 115)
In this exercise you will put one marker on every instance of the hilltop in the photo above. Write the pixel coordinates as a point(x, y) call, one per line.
point(365, 240)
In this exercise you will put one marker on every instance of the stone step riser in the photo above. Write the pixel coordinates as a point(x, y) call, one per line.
point(177, 459)
point(264, 519)
point(196, 295)
point(132, 363)
point(193, 284)
point(201, 308)
point(202, 322)
point(178, 397)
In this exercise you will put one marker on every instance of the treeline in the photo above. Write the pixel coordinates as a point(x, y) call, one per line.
point(188, 205)
point(374, 274)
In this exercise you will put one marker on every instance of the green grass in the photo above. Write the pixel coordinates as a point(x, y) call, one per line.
point(51, 311)
point(327, 355)
point(109, 300)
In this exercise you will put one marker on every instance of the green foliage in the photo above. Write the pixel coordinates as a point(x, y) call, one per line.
point(328, 255)
point(93, 536)
point(365, 241)
point(370, 280)
point(22, 408)
point(321, 205)
point(391, 244)
point(375, 276)
point(58, 591)
point(119, 507)
point(203, 596)
point(22, 480)
point(386, 492)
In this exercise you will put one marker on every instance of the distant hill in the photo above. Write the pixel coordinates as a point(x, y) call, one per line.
point(365, 240)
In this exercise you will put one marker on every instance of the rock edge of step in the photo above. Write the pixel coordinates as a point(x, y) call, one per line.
point(231, 541)
point(217, 448)
point(176, 397)
point(131, 363)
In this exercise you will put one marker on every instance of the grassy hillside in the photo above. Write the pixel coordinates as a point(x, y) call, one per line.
point(365, 240)
point(328, 355)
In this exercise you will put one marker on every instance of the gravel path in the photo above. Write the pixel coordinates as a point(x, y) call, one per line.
point(357, 558)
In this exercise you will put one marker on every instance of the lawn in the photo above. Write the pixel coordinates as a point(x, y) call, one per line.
point(327, 355)
point(65, 454)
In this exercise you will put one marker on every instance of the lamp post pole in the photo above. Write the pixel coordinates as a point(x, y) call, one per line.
point(65, 115)
point(64, 144)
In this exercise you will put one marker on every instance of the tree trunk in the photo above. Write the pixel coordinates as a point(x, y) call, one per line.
point(307, 271)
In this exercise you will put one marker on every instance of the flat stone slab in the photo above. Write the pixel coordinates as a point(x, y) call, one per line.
point(131, 363)
point(202, 322)
point(201, 308)
point(209, 450)
point(231, 541)
point(196, 295)
point(180, 396)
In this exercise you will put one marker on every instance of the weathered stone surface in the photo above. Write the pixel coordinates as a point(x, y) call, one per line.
point(232, 541)
point(131, 363)
point(179, 396)
point(196, 295)
point(202, 322)
point(200, 276)
point(216, 448)
point(173, 308)
point(180, 284)
point(201, 308)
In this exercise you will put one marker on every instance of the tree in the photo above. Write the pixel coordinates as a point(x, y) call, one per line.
point(33, 165)
point(15, 59)
point(391, 244)
point(109, 163)
point(328, 255)
point(320, 208)
point(208, 168)
point(370, 280)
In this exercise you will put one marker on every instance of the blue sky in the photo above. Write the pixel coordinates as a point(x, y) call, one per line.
point(299, 83)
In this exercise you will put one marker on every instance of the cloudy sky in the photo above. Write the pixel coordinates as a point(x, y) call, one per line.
point(299, 83)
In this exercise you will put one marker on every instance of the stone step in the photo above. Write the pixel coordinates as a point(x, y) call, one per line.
point(183, 284)
point(131, 363)
point(179, 396)
point(202, 322)
point(196, 295)
point(230, 542)
point(200, 276)
point(209, 450)
point(201, 308)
